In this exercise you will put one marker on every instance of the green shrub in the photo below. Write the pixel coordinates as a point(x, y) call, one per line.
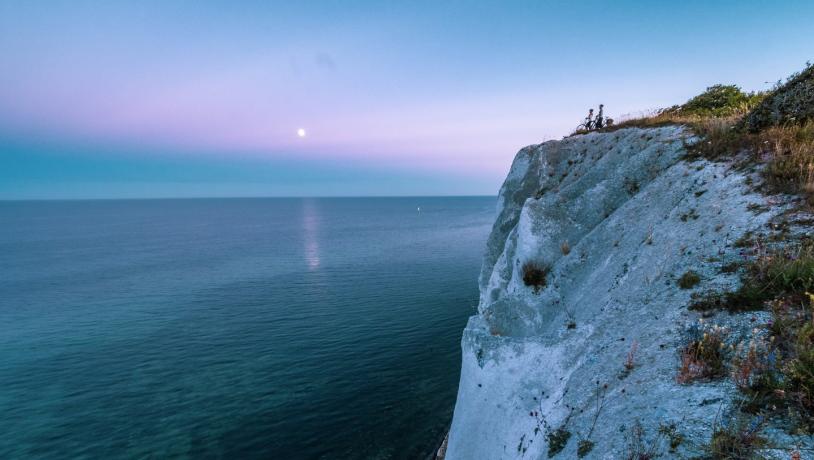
point(720, 101)
point(689, 280)
point(786, 271)
point(789, 104)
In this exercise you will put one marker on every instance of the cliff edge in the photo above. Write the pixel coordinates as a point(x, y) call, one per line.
point(601, 242)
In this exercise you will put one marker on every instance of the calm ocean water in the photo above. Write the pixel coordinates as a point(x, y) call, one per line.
point(234, 328)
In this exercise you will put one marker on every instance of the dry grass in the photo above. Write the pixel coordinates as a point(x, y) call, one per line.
point(704, 357)
point(657, 119)
point(786, 151)
point(630, 360)
point(535, 275)
point(565, 248)
point(723, 119)
point(789, 153)
point(747, 366)
point(739, 439)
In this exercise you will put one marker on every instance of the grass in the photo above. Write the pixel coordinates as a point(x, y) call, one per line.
point(740, 438)
point(688, 280)
point(786, 151)
point(772, 274)
point(557, 440)
point(584, 447)
point(704, 356)
point(775, 129)
point(775, 273)
point(782, 378)
point(775, 370)
point(565, 248)
point(639, 447)
point(535, 275)
point(673, 436)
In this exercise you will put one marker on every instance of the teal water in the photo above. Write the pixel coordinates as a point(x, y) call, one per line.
point(235, 328)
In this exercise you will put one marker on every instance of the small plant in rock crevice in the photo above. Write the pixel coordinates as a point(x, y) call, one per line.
point(639, 447)
point(707, 301)
point(692, 214)
point(704, 357)
point(630, 360)
point(586, 445)
point(738, 439)
point(689, 279)
point(557, 440)
point(670, 432)
point(556, 437)
point(535, 275)
point(565, 248)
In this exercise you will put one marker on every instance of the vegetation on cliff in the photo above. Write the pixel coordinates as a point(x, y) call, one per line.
point(773, 128)
point(773, 133)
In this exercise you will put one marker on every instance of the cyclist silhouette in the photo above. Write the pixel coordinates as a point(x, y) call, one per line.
point(600, 120)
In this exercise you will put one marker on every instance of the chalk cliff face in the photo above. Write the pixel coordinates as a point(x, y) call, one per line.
point(617, 218)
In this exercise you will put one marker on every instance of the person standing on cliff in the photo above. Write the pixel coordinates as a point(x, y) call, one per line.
point(599, 118)
point(589, 121)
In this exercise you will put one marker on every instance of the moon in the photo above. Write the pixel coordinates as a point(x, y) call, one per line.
point(301, 132)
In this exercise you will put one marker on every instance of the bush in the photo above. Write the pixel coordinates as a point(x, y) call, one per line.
point(689, 280)
point(534, 275)
point(789, 104)
point(720, 101)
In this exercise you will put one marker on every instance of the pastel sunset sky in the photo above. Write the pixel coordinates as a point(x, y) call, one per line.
point(108, 99)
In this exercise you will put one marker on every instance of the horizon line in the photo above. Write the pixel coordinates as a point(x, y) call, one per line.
point(288, 197)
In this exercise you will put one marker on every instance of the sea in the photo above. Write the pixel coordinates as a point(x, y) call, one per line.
point(268, 328)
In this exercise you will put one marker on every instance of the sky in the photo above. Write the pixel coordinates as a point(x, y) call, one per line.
point(147, 99)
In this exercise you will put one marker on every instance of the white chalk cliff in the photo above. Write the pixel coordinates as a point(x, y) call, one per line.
point(636, 215)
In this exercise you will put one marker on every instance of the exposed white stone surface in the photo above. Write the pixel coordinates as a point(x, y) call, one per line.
point(636, 216)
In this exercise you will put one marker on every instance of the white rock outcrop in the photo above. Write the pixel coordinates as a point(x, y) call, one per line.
point(636, 215)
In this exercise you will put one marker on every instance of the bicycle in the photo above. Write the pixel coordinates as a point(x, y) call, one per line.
point(586, 126)
point(591, 125)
